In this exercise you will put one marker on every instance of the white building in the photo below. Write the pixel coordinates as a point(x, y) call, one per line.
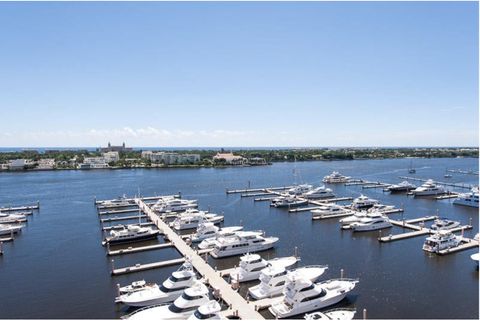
point(93, 163)
point(171, 158)
point(111, 157)
point(18, 164)
point(46, 163)
point(230, 158)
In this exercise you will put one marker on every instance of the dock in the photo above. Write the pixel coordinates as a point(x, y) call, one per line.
point(148, 198)
point(130, 210)
point(147, 266)
point(466, 244)
point(121, 218)
point(465, 186)
point(108, 228)
point(20, 208)
point(251, 190)
point(139, 249)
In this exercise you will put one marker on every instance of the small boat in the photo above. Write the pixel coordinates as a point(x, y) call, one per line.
point(335, 178)
point(428, 188)
point(444, 224)
point(273, 278)
point(210, 242)
point(334, 314)
point(135, 286)
point(288, 201)
point(372, 222)
point(404, 186)
point(182, 308)
point(363, 202)
point(319, 192)
point(9, 229)
point(251, 266)
point(12, 218)
point(191, 221)
point(207, 230)
point(130, 233)
point(411, 170)
point(300, 189)
point(441, 240)
point(329, 211)
point(170, 290)
point(302, 295)
point(241, 243)
point(468, 199)
point(208, 311)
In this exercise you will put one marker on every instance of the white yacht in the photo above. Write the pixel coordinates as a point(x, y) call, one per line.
point(251, 266)
point(241, 243)
point(9, 229)
point(174, 205)
point(329, 211)
point(135, 286)
point(190, 221)
point(363, 202)
point(273, 279)
point(121, 201)
point(171, 289)
point(288, 201)
point(207, 230)
point(334, 314)
point(373, 221)
point(12, 218)
point(444, 224)
point(468, 199)
point(130, 233)
point(356, 217)
point(335, 177)
point(319, 192)
point(428, 188)
point(301, 295)
point(381, 208)
point(404, 186)
point(182, 308)
point(208, 311)
point(210, 242)
point(475, 257)
point(442, 240)
point(300, 189)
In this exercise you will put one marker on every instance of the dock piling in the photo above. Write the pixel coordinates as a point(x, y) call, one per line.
point(1, 248)
point(341, 273)
point(364, 314)
point(118, 289)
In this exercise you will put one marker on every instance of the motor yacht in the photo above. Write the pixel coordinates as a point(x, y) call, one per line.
point(9, 229)
point(288, 201)
point(131, 233)
point(251, 266)
point(170, 290)
point(273, 279)
point(363, 202)
point(182, 308)
point(444, 224)
point(428, 188)
point(335, 177)
point(208, 311)
point(207, 230)
point(372, 222)
point(191, 221)
point(404, 186)
point(382, 208)
point(241, 243)
point(441, 240)
point(356, 217)
point(300, 189)
point(12, 218)
point(468, 199)
point(121, 201)
point(334, 314)
point(302, 295)
point(135, 286)
point(174, 205)
point(329, 211)
point(319, 192)
point(210, 242)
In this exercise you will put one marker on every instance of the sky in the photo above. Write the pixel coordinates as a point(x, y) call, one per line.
point(219, 74)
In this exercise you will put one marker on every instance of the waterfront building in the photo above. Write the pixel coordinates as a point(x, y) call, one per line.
point(257, 161)
point(46, 163)
point(230, 159)
point(111, 157)
point(19, 164)
point(93, 163)
point(171, 158)
point(111, 148)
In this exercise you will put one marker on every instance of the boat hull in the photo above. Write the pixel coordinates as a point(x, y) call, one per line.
point(150, 236)
point(311, 306)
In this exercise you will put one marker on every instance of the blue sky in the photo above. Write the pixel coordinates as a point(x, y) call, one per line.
point(239, 74)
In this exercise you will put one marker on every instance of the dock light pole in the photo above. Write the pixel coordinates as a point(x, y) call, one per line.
point(113, 265)
point(341, 273)
point(470, 221)
point(295, 252)
point(118, 289)
point(364, 314)
point(1, 248)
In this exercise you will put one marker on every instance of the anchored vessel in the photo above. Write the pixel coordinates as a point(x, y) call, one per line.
point(173, 205)
point(442, 240)
point(319, 192)
point(444, 224)
point(210, 242)
point(363, 202)
point(251, 266)
point(208, 311)
point(428, 188)
point(130, 233)
point(335, 177)
point(335, 314)
point(373, 221)
point(135, 286)
point(121, 201)
point(302, 295)
point(12, 218)
point(192, 220)
point(328, 210)
point(288, 201)
point(404, 186)
point(468, 199)
point(207, 230)
point(300, 189)
point(8, 229)
point(241, 243)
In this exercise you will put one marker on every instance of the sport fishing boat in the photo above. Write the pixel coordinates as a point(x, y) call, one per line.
point(131, 233)
point(428, 188)
point(404, 186)
point(302, 295)
point(334, 314)
point(288, 201)
point(211, 241)
point(442, 240)
point(329, 211)
point(182, 308)
point(12, 218)
point(468, 199)
point(135, 286)
point(363, 202)
point(208, 311)
point(444, 224)
point(174, 205)
point(319, 192)
point(335, 177)
point(9, 229)
point(207, 230)
point(185, 222)
point(241, 243)
point(300, 189)
point(171, 289)
point(251, 266)
point(372, 222)
point(273, 278)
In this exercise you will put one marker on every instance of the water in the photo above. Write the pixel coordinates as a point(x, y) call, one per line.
point(57, 268)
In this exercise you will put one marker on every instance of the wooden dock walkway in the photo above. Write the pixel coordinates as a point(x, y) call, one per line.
point(139, 249)
point(148, 198)
point(147, 266)
point(130, 210)
point(466, 186)
point(20, 208)
point(422, 219)
point(252, 190)
point(121, 218)
point(466, 244)
point(376, 186)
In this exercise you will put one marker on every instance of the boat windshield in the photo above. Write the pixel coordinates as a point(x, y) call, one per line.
point(190, 297)
point(199, 315)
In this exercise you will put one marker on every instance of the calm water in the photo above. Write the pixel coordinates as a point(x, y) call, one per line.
point(57, 268)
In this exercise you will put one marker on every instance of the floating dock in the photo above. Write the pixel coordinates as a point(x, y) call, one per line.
point(147, 266)
point(251, 190)
point(465, 245)
point(121, 218)
point(20, 208)
point(113, 227)
point(139, 249)
point(466, 186)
